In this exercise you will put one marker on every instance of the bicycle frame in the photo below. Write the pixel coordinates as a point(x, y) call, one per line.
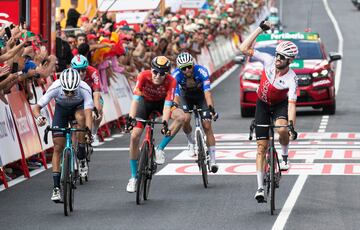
point(198, 129)
point(72, 156)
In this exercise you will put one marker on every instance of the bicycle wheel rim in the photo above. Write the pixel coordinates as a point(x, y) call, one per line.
point(201, 155)
point(141, 173)
point(72, 190)
point(149, 170)
point(66, 182)
point(272, 181)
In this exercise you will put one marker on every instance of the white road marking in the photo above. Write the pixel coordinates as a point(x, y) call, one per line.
point(108, 139)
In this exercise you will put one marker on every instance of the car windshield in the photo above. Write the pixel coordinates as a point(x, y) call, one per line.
point(307, 49)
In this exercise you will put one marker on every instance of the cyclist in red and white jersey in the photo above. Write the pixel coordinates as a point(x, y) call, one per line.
point(91, 76)
point(276, 95)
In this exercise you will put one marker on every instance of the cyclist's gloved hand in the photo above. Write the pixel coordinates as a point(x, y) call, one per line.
point(165, 129)
point(214, 114)
point(264, 25)
point(130, 123)
point(40, 120)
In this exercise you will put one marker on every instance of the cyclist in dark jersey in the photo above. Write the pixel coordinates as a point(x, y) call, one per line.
point(193, 88)
point(154, 91)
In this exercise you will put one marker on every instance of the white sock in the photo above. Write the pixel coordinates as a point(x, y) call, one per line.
point(260, 179)
point(190, 138)
point(284, 149)
point(212, 150)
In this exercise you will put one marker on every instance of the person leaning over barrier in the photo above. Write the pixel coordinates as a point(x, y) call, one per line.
point(154, 91)
point(72, 99)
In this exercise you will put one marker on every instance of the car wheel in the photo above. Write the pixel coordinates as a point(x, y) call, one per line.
point(247, 112)
point(330, 110)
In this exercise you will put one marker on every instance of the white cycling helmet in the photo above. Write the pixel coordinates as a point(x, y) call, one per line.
point(273, 10)
point(70, 79)
point(287, 48)
point(184, 59)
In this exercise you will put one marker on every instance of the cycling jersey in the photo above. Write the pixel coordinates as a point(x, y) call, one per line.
point(82, 95)
point(92, 78)
point(199, 82)
point(150, 92)
point(272, 89)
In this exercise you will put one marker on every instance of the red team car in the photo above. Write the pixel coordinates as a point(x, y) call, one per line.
point(314, 69)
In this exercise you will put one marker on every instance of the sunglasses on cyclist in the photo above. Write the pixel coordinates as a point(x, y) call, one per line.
point(69, 93)
point(186, 67)
point(161, 74)
point(280, 57)
point(82, 70)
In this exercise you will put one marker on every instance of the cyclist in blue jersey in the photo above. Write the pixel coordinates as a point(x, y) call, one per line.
point(72, 100)
point(193, 88)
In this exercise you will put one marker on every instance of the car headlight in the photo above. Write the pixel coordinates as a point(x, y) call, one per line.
point(322, 73)
point(250, 76)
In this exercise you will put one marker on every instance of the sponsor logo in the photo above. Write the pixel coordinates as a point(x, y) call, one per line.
point(10, 123)
point(322, 82)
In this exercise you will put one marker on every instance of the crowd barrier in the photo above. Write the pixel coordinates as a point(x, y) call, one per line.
point(21, 139)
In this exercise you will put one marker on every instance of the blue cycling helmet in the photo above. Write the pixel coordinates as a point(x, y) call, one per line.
point(79, 62)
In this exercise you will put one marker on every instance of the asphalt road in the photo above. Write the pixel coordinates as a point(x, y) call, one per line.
point(327, 198)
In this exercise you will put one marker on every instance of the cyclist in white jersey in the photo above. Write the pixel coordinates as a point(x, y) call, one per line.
point(73, 99)
point(276, 95)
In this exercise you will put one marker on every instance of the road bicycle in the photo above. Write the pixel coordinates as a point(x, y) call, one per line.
point(272, 165)
point(200, 147)
point(68, 166)
point(146, 165)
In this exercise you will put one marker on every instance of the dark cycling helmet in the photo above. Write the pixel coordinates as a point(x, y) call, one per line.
point(161, 64)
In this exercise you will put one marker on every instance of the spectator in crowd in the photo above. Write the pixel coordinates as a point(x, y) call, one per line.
point(73, 15)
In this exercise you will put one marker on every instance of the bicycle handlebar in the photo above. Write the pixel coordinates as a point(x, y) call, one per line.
point(63, 130)
point(151, 121)
point(289, 126)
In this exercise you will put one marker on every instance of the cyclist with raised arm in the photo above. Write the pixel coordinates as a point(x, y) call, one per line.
point(276, 95)
point(154, 91)
point(91, 76)
point(193, 88)
point(72, 99)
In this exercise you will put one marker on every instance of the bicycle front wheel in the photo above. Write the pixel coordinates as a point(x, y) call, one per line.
point(141, 173)
point(272, 180)
point(66, 182)
point(150, 169)
point(202, 159)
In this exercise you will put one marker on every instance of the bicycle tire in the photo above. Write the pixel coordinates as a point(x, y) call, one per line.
point(201, 159)
point(141, 173)
point(66, 182)
point(272, 180)
point(150, 170)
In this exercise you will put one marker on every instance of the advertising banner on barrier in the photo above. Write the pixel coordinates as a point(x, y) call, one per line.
point(122, 92)
point(25, 123)
point(110, 110)
point(204, 59)
point(46, 113)
point(10, 147)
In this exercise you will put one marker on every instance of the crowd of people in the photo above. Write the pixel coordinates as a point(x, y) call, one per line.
point(112, 46)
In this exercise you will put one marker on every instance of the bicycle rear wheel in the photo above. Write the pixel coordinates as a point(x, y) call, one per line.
point(141, 173)
point(66, 182)
point(150, 170)
point(272, 180)
point(202, 159)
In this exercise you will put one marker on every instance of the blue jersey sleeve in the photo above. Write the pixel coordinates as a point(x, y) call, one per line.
point(203, 73)
point(177, 75)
